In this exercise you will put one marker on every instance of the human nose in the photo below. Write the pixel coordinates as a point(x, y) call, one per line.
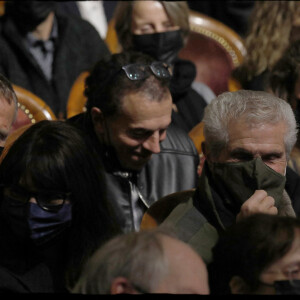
point(159, 28)
point(152, 144)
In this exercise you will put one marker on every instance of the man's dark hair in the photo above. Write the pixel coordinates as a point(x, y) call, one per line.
point(107, 83)
point(7, 91)
point(56, 156)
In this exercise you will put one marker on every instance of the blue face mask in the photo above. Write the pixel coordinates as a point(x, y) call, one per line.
point(46, 225)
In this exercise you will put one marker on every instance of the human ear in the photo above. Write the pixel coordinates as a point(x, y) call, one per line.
point(238, 285)
point(204, 149)
point(121, 285)
point(98, 120)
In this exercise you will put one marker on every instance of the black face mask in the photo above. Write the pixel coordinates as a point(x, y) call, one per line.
point(28, 14)
point(287, 287)
point(163, 46)
point(297, 113)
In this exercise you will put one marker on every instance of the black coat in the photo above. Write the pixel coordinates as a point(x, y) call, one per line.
point(292, 187)
point(78, 48)
point(190, 104)
point(26, 269)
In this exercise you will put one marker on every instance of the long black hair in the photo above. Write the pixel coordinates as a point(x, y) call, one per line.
point(56, 156)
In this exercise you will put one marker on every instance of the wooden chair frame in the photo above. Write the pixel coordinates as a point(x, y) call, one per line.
point(221, 33)
point(34, 107)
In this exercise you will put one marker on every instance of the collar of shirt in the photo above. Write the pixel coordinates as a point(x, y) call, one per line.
point(31, 41)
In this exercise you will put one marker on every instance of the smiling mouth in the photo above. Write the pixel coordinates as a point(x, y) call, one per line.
point(141, 157)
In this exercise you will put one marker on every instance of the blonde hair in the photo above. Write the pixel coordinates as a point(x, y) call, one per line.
point(268, 35)
point(178, 11)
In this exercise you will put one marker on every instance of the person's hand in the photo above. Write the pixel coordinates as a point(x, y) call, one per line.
point(259, 202)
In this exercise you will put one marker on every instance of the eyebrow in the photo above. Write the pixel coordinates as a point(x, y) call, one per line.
point(246, 153)
point(146, 129)
point(240, 151)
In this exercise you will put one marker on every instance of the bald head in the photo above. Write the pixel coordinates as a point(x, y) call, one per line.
point(187, 273)
point(148, 261)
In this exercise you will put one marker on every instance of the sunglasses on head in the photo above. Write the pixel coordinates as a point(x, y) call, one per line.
point(139, 71)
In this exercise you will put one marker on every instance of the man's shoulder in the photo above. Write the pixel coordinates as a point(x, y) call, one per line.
point(186, 217)
point(193, 228)
point(79, 121)
point(82, 123)
point(178, 140)
point(76, 25)
point(77, 31)
point(292, 187)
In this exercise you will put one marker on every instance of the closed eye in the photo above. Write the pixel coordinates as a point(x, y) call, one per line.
point(241, 155)
point(272, 157)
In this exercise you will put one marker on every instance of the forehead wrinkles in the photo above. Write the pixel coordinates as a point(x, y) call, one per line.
point(254, 121)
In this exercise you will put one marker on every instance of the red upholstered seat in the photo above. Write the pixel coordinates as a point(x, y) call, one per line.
point(31, 108)
point(215, 49)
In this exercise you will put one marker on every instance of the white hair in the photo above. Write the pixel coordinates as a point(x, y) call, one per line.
point(138, 256)
point(255, 107)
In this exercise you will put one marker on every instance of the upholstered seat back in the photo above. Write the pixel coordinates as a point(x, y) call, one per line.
point(31, 108)
point(215, 49)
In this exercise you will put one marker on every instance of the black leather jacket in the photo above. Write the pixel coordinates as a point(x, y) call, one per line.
point(173, 169)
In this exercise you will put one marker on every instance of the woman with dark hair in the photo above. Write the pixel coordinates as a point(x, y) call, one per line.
point(53, 213)
point(258, 255)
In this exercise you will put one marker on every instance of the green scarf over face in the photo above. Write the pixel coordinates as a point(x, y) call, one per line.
point(242, 179)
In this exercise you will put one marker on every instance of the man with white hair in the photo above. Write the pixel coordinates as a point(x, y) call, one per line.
point(248, 138)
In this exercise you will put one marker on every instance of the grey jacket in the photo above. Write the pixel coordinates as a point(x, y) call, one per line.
point(173, 169)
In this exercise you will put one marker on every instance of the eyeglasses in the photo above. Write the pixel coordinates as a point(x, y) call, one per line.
point(292, 274)
point(139, 71)
point(47, 200)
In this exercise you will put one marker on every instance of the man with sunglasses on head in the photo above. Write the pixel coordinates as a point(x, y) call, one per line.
point(128, 118)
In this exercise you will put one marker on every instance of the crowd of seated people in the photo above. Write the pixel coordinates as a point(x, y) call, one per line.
point(73, 192)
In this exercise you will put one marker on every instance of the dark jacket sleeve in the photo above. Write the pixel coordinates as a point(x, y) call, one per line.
point(174, 169)
point(292, 187)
